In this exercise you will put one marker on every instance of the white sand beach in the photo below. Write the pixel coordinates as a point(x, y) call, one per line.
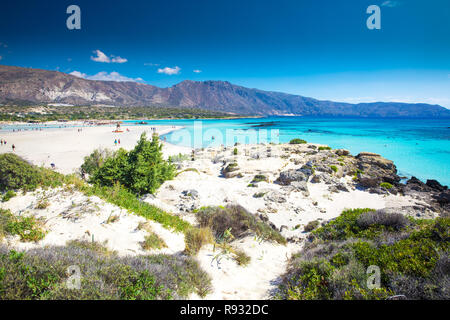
point(72, 215)
point(66, 147)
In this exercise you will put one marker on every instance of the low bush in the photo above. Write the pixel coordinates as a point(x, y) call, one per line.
point(259, 194)
point(196, 238)
point(324, 148)
point(238, 221)
point(412, 256)
point(18, 174)
point(142, 170)
point(259, 178)
point(27, 228)
point(297, 141)
point(386, 185)
point(95, 160)
point(241, 258)
point(153, 241)
point(42, 274)
point(397, 221)
point(123, 198)
point(311, 225)
point(8, 195)
point(179, 158)
point(334, 168)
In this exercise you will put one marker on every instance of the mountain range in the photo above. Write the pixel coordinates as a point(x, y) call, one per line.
point(35, 86)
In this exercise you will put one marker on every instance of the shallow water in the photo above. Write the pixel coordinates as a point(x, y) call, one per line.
point(419, 147)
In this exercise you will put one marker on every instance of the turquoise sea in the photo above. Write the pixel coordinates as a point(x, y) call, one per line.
point(419, 147)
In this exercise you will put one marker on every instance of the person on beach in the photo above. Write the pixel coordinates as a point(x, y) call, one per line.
point(13, 147)
point(118, 141)
point(115, 142)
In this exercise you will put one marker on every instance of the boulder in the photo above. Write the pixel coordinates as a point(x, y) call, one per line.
point(275, 196)
point(192, 193)
point(342, 152)
point(368, 181)
point(436, 185)
point(288, 176)
point(315, 179)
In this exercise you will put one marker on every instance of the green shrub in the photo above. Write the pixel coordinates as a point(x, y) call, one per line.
point(412, 255)
point(235, 151)
point(28, 228)
point(123, 198)
point(142, 170)
point(259, 178)
point(42, 274)
point(179, 158)
point(297, 141)
point(311, 225)
point(259, 194)
point(343, 227)
point(324, 148)
point(386, 185)
point(334, 168)
point(95, 160)
point(153, 241)
point(16, 173)
point(238, 221)
point(42, 204)
point(8, 195)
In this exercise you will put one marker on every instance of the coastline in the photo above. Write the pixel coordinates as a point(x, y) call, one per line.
point(66, 147)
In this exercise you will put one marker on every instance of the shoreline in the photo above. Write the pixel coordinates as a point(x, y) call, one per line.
point(54, 126)
point(66, 147)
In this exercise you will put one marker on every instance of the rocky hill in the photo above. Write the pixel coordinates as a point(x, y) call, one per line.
point(34, 86)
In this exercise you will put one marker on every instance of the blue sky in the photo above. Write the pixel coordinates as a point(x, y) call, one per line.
point(315, 48)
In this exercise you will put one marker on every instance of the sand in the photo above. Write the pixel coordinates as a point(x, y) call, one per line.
point(72, 215)
point(66, 147)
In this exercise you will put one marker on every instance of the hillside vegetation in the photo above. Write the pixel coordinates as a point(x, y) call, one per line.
point(411, 254)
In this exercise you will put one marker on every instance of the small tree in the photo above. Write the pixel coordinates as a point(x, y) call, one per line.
point(142, 170)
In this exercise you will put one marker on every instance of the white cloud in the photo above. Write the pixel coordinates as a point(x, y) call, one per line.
point(78, 74)
point(118, 60)
point(390, 3)
point(197, 71)
point(105, 76)
point(101, 57)
point(170, 71)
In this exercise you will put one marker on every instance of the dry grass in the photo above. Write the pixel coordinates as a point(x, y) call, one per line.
point(196, 238)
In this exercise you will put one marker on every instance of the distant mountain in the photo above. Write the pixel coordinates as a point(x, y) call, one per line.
point(34, 86)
